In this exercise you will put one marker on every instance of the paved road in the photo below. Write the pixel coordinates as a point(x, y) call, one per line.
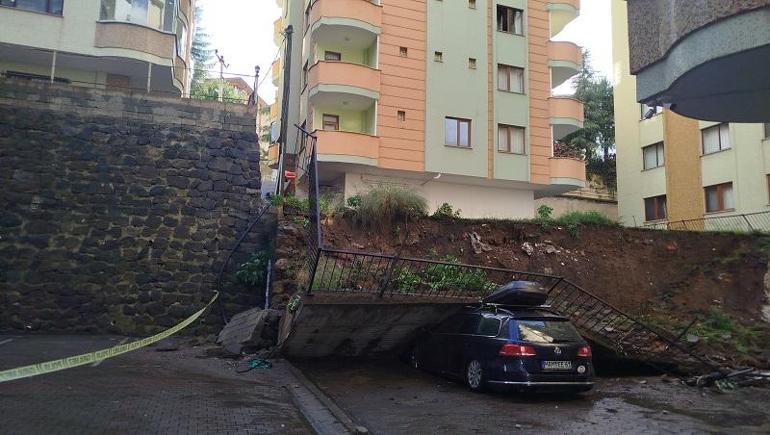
point(392, 398)
point(144, 392)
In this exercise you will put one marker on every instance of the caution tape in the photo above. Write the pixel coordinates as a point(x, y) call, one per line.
point(87, 358)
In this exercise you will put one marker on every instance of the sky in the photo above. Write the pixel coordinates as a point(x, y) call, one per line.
point(242, 30)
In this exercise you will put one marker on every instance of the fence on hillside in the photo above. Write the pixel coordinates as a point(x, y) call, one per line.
point(742, 223)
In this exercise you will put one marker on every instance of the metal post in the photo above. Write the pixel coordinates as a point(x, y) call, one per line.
point(388, 275)
point(751, 227)
point(256, 101)
point(222, 66)
point(53, 66)
point(149, 76)
point(285, 107)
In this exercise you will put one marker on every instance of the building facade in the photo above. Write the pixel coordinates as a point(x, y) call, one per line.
point(452, 99)
point(130, 44)
point(672, 168)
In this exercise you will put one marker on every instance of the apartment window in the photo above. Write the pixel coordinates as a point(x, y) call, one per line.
point(332, 56)
point(719, 198)
point(510, 78)
point(305, 69)
point(34, 77)
point(716, 138)
point(401, 115)
point(650, 111)
point(331, 122)
point(48, 6)
point(655, 208)
point(510, 20)
point(653, 156)
point(457, 132)
point(767, 130)
point(158, 14)
point(307, 15)
point(181, 38)
point(403, 51)
point(510, 139)
point(438, 56)
point(471, 63)
point(472, 4)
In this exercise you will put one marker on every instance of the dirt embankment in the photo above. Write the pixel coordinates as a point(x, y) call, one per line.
point(639, 271)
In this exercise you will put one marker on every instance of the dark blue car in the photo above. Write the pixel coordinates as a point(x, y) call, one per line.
point(523, 348)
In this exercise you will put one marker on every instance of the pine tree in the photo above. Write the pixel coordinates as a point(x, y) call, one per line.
point(202, 55)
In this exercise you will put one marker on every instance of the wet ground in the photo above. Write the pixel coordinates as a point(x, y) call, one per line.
point(392, 398)
point(143, 392)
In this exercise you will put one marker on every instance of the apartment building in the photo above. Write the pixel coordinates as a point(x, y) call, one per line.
point(452, 99)
point(673, 168)
point(136, 44)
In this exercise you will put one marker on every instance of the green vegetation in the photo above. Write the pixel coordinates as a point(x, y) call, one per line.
point(572, 221)
point(544, 212)
point(718, 326)
point(382, 206)
point(292, 201)
point(446, 210)
point(443, 277)
point(252, 272)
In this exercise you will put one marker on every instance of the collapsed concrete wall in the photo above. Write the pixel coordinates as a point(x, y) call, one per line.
point(117, 210)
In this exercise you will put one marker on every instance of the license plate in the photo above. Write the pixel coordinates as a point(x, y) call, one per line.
point(557, 365)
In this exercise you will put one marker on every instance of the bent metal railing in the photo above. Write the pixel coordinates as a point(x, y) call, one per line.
point(742, 223)
point(331, 270)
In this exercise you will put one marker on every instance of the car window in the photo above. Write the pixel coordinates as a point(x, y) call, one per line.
point(450, 325)
point(469, 324)
point(546, 331)
point(489, 326)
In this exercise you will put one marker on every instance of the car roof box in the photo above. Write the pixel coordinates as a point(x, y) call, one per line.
point(519, 293)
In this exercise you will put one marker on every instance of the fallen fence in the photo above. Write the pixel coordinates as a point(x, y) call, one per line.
point(742, 223)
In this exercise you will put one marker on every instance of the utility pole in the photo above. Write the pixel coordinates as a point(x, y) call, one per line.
point(256, 101)
point(222, 67)
point(285, 107)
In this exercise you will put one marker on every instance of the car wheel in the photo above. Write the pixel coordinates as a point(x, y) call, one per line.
point(474, 376)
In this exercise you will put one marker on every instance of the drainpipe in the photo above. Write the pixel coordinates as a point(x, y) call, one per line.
point(149, 76)
point(53, 65)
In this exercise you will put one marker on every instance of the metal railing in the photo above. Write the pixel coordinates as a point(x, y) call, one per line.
point(388, 276)
point(742, 223)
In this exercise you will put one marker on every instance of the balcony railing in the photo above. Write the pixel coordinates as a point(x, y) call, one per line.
point(362, 11)
point(344, 74)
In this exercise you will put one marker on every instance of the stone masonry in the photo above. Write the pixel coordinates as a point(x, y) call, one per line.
point(117, 210)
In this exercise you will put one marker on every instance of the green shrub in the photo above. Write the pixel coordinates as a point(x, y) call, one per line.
point(252, 272)
point(384, 205)
point(443, 277)
point(585, 218)
point(354, 201)
point(446, 210)
point(718, 326)
point(544, 212)
point(291, 201)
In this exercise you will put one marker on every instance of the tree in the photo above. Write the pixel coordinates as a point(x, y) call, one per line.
point(208, 89)
point(597, 137)
point(201, 54)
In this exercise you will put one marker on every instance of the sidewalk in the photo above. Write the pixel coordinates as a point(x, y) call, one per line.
point(145, 391)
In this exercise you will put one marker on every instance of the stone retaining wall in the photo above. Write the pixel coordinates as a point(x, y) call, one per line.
point(117, 210)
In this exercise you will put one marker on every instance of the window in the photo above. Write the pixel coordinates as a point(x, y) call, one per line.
point(547, 331)
point(332, 56)
point(469, 324)
point(471, 63)
point(34, 77)
point(401, 115)
point(653, 156)
point(181, 38)
point(655, 208)
point(438, 56)
point(403, 51)
point(331, 122)
point(650, 111)
point(489, 326)
point(719, 198)
point(716, 138)
point(510, 139)
point(472, 4)
point(457, 132)
point(510, 78)
point(767, 130)
point(305, 68)
point(307, 15)
point(158, 14)
point(510, 20)
point(48, 6)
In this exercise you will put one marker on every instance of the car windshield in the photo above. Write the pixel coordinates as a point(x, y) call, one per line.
point(546, 331)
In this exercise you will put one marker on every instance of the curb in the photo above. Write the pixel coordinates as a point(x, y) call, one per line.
point(318, 409)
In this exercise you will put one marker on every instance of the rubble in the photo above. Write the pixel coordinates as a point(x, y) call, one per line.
point(250, 331)
point(478, 246)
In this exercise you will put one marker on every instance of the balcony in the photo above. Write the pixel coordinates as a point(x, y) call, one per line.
point(275, 70)
point(347, 147)
point(562, 12)
point(354, 24)
point(272, 155)
point(565, 60)
point(278, 32)
point(351, 85)
point(707, 63)
point(566, 116)
point(567, 173)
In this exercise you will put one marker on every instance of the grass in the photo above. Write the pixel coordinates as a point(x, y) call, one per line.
point(384, 205)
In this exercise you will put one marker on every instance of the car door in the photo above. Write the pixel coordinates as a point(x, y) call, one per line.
point(459, 343)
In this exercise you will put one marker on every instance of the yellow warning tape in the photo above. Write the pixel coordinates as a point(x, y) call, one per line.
point(87, 358)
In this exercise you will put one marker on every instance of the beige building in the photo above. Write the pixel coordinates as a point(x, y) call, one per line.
point(672, 168)
point(452, 99)
point(135, 44)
